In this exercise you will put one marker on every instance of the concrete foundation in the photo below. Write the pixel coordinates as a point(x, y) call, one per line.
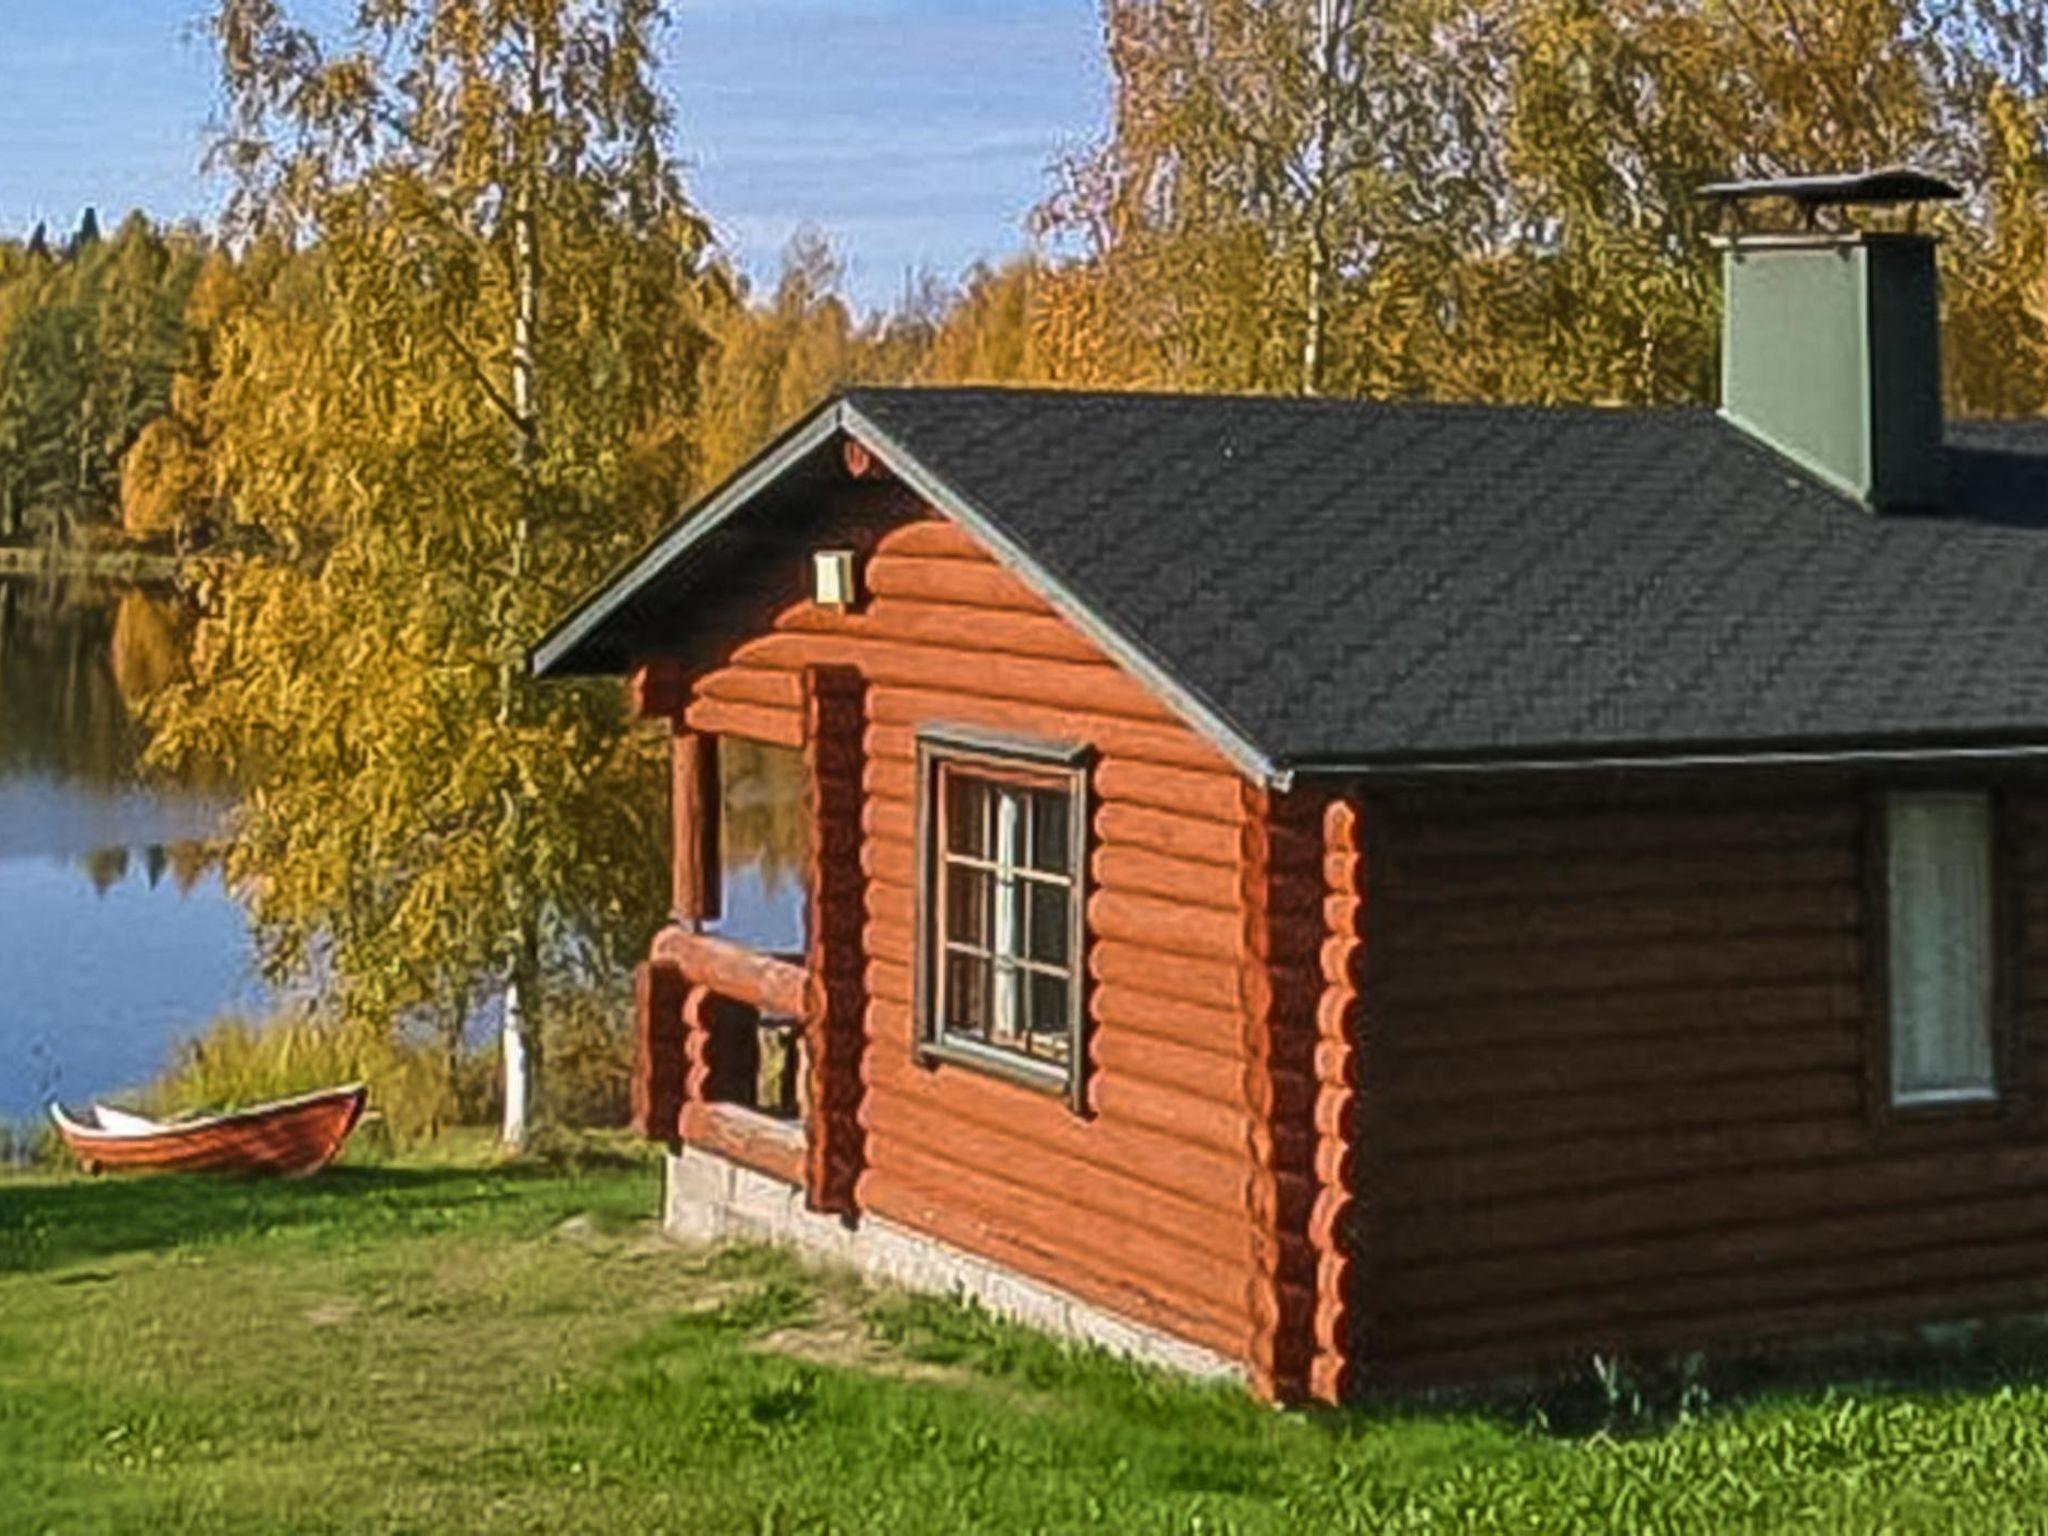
point(711, 1200)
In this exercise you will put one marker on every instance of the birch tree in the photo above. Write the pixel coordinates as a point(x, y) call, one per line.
point(454, 395)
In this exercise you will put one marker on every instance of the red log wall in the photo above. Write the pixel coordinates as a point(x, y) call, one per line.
point(1166, 1200)
point(1618, 1068)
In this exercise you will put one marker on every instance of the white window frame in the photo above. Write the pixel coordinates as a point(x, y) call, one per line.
point(1941, 947)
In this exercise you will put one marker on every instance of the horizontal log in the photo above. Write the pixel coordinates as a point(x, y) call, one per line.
point(750, 722)
point(883, 816)
point(970, 583)
point(1160, 742)
point(889, 976)
point(760, 980)
point(1205, 1172)
point(1217, 795)
point(924, 1208)
point(1117, 867)
point(1404, 979)
point(1616, 1162)
point(1083, 689)
point(1214, 1077)
point(754, 1140)
point(889, 861)
point(936, 537)
point(1395, 1364)
point(1136, 1008)
point(1191, 1119)
point(951, 626)
point(1547, 1117)
point(1650, 831)
point(1592, 873)
point(1609, 1278)
point(1201, 1264)
point(742, 684)
point(1197, 840)
point(1725, 912)
point(1213, 982)
point(1930, 1270)
point(1733, 1196)
point(1169, 927)
point(1650, 1062)
point(918, 1131)
point(1131, 1097)
point(1453, 1026)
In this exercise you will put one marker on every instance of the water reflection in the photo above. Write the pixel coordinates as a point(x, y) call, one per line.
point(115, 933)
point(61, 712)
point(762, 844)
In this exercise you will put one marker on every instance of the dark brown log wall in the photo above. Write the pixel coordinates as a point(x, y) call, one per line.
point(1145, 1204)
point(1618, 1077)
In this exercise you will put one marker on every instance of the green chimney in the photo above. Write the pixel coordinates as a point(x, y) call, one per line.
point(1831, 341)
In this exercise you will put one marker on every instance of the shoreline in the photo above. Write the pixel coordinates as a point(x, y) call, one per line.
point(138, 565)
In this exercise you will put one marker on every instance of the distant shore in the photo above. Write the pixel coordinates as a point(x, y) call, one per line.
point(115, 564)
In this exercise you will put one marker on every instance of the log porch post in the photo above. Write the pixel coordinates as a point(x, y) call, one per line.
point(835, 985)
point(659, 1063)
point(694, 801)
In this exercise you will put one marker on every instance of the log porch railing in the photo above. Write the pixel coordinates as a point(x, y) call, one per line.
point(700, 1007)
point(702, 998)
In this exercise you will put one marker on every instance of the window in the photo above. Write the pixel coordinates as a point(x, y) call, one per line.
point(1001, 918)
point(764, 831)
point(1939, 867)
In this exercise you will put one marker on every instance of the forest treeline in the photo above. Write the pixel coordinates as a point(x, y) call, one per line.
point(1483, 199)
point(461, 340)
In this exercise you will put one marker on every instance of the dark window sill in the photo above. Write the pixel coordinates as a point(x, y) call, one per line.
point(1041, 1076)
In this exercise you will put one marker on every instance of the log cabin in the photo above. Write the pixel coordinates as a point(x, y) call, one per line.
point(1366, 895)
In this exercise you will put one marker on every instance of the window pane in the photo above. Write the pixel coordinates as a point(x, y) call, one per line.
point(1940, 910)
point(1048, 921)
point(967, 817)
point(1006, 1018)
point(1049, 839)
point(1051, 1028)
point(967, 905)
point(967, 996)
point(761, 847)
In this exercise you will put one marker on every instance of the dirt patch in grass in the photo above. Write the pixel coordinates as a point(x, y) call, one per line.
point(836, 1332)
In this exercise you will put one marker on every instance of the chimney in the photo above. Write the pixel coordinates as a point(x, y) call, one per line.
point(1831, 337)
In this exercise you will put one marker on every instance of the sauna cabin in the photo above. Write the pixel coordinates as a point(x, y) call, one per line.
point(1363, 896)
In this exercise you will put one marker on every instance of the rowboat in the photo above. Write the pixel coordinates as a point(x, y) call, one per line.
point(290, 1136)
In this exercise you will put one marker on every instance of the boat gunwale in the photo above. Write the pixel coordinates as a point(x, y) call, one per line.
point(72, 1127)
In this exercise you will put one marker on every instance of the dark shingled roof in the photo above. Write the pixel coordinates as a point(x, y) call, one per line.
point(1344, 583)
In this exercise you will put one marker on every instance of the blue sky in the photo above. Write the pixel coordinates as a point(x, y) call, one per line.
point(915, 133)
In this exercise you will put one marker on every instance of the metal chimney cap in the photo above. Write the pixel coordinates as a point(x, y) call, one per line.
point(1886, 185)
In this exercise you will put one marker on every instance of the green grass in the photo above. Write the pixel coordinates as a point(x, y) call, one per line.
point(444, 1346)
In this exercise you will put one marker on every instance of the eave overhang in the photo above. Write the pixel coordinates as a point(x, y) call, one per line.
point(1849, 755)
point(576, 646)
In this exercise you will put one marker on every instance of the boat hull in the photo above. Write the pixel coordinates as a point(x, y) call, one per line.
point(291, 1138)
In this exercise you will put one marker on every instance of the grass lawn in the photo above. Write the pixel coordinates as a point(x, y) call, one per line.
point(443, 1347)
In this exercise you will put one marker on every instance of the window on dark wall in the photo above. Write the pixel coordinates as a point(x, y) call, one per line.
point(1001, 908)
point(1940, 882)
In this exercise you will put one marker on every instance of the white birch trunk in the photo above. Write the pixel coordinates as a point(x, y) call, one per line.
point(518, 1085)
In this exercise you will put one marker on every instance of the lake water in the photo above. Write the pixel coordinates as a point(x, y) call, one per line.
point(116, 938)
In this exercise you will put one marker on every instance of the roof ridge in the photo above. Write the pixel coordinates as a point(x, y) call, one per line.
point(1563, 408)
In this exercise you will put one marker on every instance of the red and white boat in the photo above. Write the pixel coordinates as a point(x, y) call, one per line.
point(291, 1136)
